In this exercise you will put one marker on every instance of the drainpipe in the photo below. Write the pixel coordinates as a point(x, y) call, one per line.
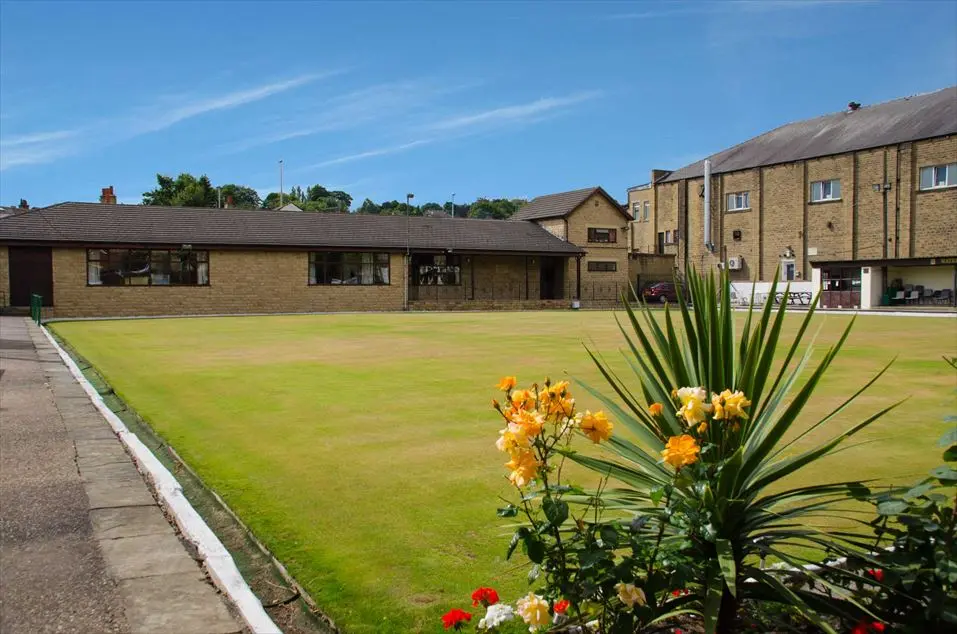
point(884, 194)
point(707, 206)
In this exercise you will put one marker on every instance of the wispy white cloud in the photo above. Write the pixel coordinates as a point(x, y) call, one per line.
point(705, 8)
point(513, 114)
point(155, 121)
point(382, 151)
point(379, 103)
point(47, 146)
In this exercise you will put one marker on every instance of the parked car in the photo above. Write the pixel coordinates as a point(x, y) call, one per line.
point(660, 292)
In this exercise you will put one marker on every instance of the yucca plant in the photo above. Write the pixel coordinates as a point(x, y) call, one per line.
point(711, 454)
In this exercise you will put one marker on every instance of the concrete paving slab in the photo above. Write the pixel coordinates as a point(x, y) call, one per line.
point(103, 495)
point(90, 432)
point(148, 555)
point(116, 474)
point(171, 603)
point(92, 453)
point(129, 521)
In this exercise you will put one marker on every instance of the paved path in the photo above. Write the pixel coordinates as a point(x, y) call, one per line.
point(83, 545)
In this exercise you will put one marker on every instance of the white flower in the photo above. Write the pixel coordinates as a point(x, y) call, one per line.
point(496, 615)
point(630, 595)
point(687, 393)
point(592, 625)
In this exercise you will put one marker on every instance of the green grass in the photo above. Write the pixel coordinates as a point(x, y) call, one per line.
point(359, 448)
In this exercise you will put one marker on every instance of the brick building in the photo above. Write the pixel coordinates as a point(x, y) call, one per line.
point(91, 260)
point(861, 203)
point(591, 219)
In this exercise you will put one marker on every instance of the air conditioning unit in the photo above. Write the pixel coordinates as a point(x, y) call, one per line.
point(734, 264)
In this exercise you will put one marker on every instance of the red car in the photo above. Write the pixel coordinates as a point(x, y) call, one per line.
point(660, 292)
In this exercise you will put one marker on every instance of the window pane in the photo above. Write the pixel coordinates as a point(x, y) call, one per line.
point(816, 191)
point(952, 174)
point(835, 188)
point(93, 269)
point(647, 207)
point(745, 200)
point(382, 274)
point(382, 258)
point(138, 271)
point(159, 267)
point(202, 273)
point(940, 176)
point(926, 177)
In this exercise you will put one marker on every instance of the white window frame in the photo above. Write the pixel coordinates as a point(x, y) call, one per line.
point(826, 189)
point(636, 210)
point(647, 208)
point(949, 179)
point(738, 201)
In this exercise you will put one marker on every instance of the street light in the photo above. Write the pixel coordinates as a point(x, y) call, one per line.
point(408, 203)
point(453, 204)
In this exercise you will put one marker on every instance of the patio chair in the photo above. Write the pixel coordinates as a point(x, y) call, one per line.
point(946, 297)
point(928, 296)
point(912, 297)
point(898, 298)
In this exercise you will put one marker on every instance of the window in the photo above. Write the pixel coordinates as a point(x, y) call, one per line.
point(147, 267)
point(739, 201)
point(825, 190)
point(636, 210)
point(602, 235)
point(935, 176)
point(667, 237)
point(674, 236)
point(436, 270)
point(647, 208)
point(602, 267)
point(335, 267)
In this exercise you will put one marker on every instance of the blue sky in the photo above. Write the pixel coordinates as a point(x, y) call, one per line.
point(481, 99)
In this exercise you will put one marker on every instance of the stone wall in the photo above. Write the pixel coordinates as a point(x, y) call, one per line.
point(597, 212)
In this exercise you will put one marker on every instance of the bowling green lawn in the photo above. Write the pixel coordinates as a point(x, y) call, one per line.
point(360, 448)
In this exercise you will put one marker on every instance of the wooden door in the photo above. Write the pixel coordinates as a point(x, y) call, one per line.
point(31, 272)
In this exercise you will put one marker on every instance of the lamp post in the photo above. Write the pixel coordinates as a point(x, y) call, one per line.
point(453, 204)
point(280, 181)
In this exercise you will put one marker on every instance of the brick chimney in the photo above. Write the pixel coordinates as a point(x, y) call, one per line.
point(24, 204)
point(853, 106)
point(107, 197)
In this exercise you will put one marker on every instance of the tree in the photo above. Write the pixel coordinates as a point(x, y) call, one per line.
point(316, 192)
point(183, 191)
point(497, 209)
point(369, 207)
point(428, 207)
point(243, 197)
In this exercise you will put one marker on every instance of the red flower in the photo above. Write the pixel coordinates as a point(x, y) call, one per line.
point(877, 573)
point(485, 596)
point(678, 593)
point(455, 618)
point(678, 630)
point(561, 606)
point(863, 627)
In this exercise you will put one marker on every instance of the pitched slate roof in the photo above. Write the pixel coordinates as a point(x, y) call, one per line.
point(561, 205)
point(909, 119)
point(95, 223)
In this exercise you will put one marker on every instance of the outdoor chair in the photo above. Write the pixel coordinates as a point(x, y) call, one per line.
point(912, 297)
point(928, 296)
point(946, 296)
point(898, 298)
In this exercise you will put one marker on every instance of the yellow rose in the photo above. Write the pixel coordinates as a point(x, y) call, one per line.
point(694, 410)
point(703, 428)
point(534, 611)
point(511, 439)
point(680, 451)
point(729, 405)
point(596, 426)
point(687, 393)
point(523, 399)
point(531, 423)
point(506, 383)
point(630, 595)
point(523, 467)
point(655, 409)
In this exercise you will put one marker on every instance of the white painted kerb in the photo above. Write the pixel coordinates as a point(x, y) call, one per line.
point(219, 563)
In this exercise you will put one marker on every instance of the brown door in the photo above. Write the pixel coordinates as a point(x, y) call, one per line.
point(31, 272)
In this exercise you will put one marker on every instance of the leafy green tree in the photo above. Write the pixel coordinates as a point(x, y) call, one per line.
point(369, 207)
point(430, 207)
point(316, 192)
point(243, 197)
point(496, 209)
point(183, 191)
